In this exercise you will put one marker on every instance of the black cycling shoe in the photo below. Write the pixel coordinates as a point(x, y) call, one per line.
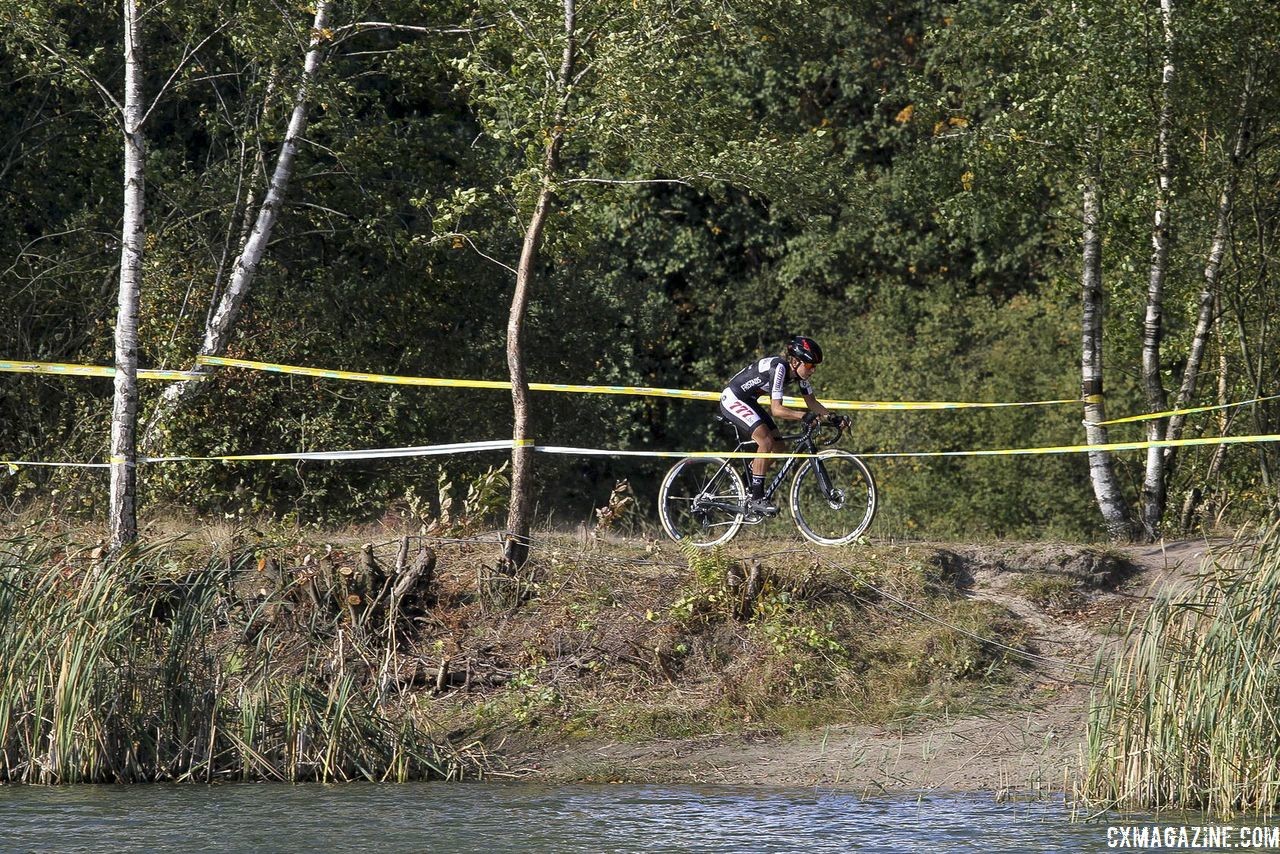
point(761, 507)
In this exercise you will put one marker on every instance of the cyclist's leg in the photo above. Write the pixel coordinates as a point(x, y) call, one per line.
point(742, 414)
point(765, 436)
point(751, 420)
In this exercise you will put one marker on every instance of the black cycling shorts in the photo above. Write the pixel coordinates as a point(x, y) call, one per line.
point(746, 415)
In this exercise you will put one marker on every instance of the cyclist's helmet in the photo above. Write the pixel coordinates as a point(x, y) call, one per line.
point(805, 349)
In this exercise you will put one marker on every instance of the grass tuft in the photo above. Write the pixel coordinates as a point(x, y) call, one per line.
point(1189, 715)
point(135, 668)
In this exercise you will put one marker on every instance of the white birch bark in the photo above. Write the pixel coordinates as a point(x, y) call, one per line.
point(1153, 482)
point(516, 541)
point(122, 514)
point(221, 323)
point(1196, 494)
point(1102, 474)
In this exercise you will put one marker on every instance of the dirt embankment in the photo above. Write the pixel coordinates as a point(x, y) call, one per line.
point(1029, 737)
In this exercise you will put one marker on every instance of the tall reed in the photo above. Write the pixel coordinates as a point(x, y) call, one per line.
point(133, 670)
point(1187, 716)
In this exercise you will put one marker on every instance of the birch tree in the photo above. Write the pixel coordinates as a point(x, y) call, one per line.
point(1102, 475)
point(1118, 73)
point(44, 30)
point(123, 513)
point(1153, 483)
point(1207, 301)
point(222, 318)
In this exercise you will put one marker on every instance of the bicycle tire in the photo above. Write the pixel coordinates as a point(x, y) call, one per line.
point(699, 478)
point(834, 520)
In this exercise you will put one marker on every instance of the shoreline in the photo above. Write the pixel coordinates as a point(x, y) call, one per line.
point(888, 667)
point(1031, 745)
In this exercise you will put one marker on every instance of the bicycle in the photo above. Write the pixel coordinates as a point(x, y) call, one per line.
point(833, 495)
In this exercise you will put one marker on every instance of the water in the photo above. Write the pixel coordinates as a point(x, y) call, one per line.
point(496, 818)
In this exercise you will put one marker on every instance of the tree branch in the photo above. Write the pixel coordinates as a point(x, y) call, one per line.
point(459, 236)
point(178, 68)
point(627, 181)
point(367, 26)
point(103, 90)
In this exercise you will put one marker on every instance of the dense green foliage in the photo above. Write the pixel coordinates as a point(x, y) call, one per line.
point(898, 179)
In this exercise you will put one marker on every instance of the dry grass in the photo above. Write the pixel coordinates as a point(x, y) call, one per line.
point(220, 654)
point(148, 667)
point(1188, 716)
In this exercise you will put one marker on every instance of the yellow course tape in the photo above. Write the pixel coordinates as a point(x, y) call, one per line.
point(1079, 449)
point(451, 383)
point(93, 371)
point(14, 465)
point(1171, 412)
point(593, 389)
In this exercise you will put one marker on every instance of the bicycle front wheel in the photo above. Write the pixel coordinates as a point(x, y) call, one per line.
point(701, 499)
point(833, 498)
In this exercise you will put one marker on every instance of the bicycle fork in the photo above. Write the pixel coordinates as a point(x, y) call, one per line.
point(834, 495)
point(824, 480)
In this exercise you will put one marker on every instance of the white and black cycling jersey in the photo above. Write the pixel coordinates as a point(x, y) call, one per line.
point(739, 402)
point(768, 374)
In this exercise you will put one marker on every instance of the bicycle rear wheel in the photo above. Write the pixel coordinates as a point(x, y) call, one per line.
point(701, 500)
point(833, 498)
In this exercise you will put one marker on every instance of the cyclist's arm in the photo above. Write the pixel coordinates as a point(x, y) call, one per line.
point(786, 413)
point(816, 406)
point(776, 407)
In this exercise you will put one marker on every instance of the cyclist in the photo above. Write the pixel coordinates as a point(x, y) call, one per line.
point(739, 404)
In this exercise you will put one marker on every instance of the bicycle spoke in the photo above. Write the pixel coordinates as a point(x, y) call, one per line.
point(695, 498)
point(833, 499)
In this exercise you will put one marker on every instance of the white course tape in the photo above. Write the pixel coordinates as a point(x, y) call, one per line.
point(601, 452)
point(508, 444)
point(992, 452)
point(363, 454)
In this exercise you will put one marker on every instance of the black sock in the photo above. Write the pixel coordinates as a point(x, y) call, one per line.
point(757, 487)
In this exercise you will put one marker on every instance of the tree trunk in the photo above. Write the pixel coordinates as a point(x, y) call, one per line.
point(222, 321)
point(123, 515)
point(1255, 371)
point(1209, 293)
point(1197, 493)
point(1153, 482)
point(516, 542)
point(1106, 490)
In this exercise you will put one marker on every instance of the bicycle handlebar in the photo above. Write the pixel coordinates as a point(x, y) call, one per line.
point(838, 431)
point(815, 427)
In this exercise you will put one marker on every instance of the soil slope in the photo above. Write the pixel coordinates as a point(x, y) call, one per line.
point(1030, 744)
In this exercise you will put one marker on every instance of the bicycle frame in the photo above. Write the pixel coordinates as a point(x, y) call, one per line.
point(788, 465)
point(804, 445)
point(715, 498)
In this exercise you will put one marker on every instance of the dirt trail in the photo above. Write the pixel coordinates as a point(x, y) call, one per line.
point(1033, 743)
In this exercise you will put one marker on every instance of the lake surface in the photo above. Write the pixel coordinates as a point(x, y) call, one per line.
point(500, 817)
